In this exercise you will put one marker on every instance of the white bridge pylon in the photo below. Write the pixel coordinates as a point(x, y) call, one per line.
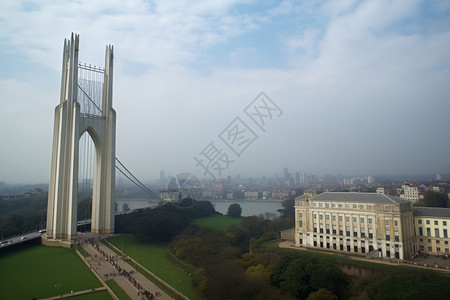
point(85, 106)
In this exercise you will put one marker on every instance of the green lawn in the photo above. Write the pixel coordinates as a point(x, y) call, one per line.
point(153, 258)
point(41, 272)
point(117, 290)
point(102, 295)
point(217, 222)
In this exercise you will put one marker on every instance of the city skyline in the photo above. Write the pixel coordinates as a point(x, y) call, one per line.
point(361, 87)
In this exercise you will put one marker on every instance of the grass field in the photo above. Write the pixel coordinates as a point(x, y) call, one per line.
point(101, 295)
point(217, 222)
point(153, 258)
point(41, 272)
point(117, 290)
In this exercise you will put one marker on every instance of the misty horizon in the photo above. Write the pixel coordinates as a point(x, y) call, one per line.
point(352, 87)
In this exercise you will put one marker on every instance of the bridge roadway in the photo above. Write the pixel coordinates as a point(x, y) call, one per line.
point(37, 234)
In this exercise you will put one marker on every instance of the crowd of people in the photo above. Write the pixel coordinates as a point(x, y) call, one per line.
point(146, 295)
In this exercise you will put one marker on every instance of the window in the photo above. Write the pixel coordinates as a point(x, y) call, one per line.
point(386, 222)
point(430, 249)
point(446, 242)
point(363, 232)
point(438, 249)
point(361, 207)
point(444, 223)
point(340, 205)
point(419, 221)
point(438, 241)
point(333, 217)
point(315, 227)
point(428, 222)
point(420, 231)
point(387, 208)
point(428, 232)
point(436, 222)
point(333, 205)
point(340, 218)
point(395, 223)
point(300, 223)
point(369, 207)
point(436, 232)
point(321, 228)
point(429, 241)
point(354, 206)
point(361, 220)
point(341, 230)
point(347, 205)
point(334, 229)
point(355, 231)
point(327, 205)
point(445, 233)
point(327, 217)
point(370, 233)
point(388, 235)
point(347, 219)
point(320, 204)
point(327, 228)
point(320, 217)
point(347, 231)
point(369, 220)
point(299, 214)
point(396, 236)
point(315, 216)
point(354, 219)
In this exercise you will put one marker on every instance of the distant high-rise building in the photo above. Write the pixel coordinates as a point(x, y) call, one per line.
point(370, 179)
point(297, 178)
point(302, 178)
point(285, 174)
point(162, 178)
point(438, 176)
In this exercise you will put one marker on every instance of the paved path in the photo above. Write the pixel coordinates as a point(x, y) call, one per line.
point(95, 290)
point(429, 262)
point(107, 264)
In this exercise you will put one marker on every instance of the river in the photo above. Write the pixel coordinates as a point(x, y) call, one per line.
point(249, 207)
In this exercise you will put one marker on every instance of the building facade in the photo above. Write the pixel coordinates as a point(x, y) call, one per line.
point(357, 223)
point(432, 226)
point(410, 192)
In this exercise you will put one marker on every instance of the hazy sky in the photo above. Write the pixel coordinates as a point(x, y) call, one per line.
point(356, 87)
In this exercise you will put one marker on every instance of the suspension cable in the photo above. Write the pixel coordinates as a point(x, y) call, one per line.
point(140, 185)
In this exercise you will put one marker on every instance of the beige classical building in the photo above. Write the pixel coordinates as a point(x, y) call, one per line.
point(356, 223)
point(410, 192)
point(432, 225)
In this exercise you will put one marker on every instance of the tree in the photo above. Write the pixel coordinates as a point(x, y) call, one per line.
point(125, 207)
point(322, 294)
point(234, 210)
point(288, 211)
point(324, 275)
point(295, 280)
point(434, 199)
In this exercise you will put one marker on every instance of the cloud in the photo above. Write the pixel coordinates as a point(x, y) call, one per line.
point(360, 82)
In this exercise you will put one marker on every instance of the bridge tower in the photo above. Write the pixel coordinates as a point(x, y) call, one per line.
point(85, 106)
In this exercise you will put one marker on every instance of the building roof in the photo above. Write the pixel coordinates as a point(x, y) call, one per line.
point(438, 212)
point(359, 197)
